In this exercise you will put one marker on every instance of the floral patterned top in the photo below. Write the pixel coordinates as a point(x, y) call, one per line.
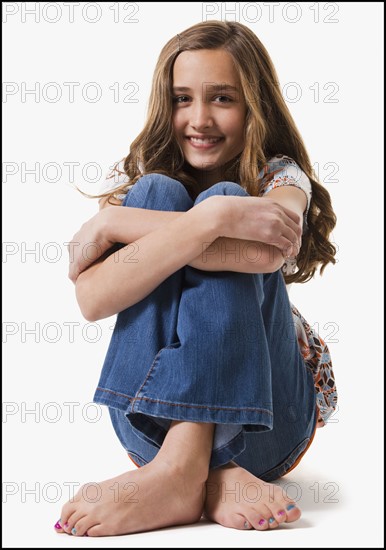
point(315, 352)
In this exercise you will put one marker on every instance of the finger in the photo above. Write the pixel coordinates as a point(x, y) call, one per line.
point(295, 227)
point(292, 232)
point(291, 214)
point(289, 241)
point(286, 247)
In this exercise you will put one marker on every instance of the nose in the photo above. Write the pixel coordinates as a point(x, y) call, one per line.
point(201, 116)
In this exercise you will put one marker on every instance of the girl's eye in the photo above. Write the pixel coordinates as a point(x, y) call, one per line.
point(223, 99)
point(180, 99)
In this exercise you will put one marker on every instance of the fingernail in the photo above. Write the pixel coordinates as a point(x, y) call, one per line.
point(57, 525)
point(290, 506)
point(261, 522)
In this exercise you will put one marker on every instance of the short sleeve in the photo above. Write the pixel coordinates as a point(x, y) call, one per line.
point(287, 172)
point(116, 177)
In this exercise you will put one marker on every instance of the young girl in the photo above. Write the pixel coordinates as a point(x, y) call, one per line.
point(212, 388)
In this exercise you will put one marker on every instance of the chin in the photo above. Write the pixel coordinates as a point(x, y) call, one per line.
point(209, 164)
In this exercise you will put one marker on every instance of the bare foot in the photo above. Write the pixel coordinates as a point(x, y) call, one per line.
point(235, 498)
point(154, 496)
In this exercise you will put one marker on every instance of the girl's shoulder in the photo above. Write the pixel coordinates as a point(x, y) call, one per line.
point(283, 170)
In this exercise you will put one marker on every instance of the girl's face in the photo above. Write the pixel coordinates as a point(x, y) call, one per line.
point(209, 110)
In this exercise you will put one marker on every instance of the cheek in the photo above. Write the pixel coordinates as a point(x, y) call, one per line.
point(235, 126)
point(177, 121)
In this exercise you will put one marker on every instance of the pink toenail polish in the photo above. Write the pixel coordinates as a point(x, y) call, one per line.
point(261, 522)
point(66, 524)
point(281, 513)
point(57, 525)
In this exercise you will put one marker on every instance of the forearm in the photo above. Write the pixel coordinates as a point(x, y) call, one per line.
point(239, 255)
point(127, 225)
point(132, 273)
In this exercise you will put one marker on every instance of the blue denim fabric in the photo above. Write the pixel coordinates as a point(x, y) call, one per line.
point(209, 347)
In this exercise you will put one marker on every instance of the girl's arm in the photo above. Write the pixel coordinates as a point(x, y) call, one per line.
point(130, 274)
point(126, 224)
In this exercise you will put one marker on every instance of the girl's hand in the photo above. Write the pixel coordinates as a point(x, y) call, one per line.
point(89, 244)
point(261, 219)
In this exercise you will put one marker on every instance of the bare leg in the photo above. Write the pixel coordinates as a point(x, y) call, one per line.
point(167, 491)
point(236, 498)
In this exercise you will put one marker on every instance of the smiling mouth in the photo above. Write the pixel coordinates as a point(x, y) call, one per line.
point(204, 142)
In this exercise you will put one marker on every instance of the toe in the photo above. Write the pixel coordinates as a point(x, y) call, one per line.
point(67, 511)
point(272, 523)
point(233, 520)
point(96, 531)
point(241, 522)
point(58, 527)
point(280, 515)
point(258, 522)
point(82, 525)
point(258, 518)
point(71, 522)
point(292, 512)
point(283, 509)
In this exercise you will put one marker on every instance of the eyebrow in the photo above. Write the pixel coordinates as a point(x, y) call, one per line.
point(209, 86)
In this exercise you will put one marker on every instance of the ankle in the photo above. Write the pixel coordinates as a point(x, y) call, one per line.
point(184, 465)
point(188, 448)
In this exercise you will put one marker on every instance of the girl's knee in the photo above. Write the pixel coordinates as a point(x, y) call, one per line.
point(158, 190)
point(150, 180)
point(223, 188)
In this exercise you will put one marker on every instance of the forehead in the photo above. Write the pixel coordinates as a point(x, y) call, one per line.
point(192, 68)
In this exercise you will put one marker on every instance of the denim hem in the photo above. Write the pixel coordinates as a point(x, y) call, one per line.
point(228, 452)
point(259, 419)
point(112, 399)
point(219, 457)
point(153, 433)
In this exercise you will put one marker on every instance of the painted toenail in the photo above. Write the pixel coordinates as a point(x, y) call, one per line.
point(246, 525)
point(73, 531)
point(66, 524)
point(290, 506)
point(57, 525)
point(281, 513)
point(261, 522)
point(271, 520)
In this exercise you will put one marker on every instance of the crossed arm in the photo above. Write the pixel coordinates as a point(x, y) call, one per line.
point(215, 235)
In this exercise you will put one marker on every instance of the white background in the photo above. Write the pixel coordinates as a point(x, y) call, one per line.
point(53, 372)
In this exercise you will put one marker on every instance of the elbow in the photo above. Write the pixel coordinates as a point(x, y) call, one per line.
point(90, 315)
point(272, 260)
point(86, 303)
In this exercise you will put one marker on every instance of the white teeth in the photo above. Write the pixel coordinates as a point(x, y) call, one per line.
point(206, 140)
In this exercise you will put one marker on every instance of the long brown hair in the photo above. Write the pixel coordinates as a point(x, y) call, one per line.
point(269, 130)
